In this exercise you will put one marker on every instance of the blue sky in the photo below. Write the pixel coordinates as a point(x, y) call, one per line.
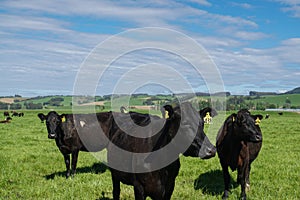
point(254, 44)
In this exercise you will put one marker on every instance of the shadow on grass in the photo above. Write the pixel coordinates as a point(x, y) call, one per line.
point(96, 168)
point(103, 197)
point(212, 183)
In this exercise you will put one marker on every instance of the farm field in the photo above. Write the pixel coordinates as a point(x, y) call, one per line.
point(31, 166)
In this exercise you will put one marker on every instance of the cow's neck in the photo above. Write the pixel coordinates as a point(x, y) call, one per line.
point(165, 135)
point(60, 136)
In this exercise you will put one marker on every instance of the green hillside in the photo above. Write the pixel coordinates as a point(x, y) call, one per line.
point(281, 101)
point(104, 103)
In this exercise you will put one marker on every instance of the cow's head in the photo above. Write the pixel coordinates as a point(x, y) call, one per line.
point(53, 123)
point(191, 130)
point(247, 126)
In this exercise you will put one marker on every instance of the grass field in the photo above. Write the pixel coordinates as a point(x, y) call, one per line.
point(31, 167)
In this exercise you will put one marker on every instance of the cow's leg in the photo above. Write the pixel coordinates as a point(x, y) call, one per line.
point(226, 177)
point(169, 190)
point(243, 189)
point(139, 192)
point(244, 172)
point(248, 178)
point(67, 162)
point(116, 186)
point(74, 161)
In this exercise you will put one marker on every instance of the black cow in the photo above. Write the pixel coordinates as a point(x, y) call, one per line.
point(184, 122)
point(14, 114)
point(7, 120)
point(238, 143)
point(267, 116)
point(64, 129)
point(6, 114)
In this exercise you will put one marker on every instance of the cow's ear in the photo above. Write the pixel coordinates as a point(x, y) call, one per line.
point(212, 112)
point(42, 116)
point(63, 117)
point(168, 111)
point(257, 118)
point(204, 111)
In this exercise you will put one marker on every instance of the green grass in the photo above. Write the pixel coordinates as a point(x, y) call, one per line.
point(31, 167)
point(280, 99)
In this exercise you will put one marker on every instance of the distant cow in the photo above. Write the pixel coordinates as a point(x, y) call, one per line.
point(6, 114)
point(64, 129)
point(238, 143)
point(280, 113)
point(183, 121)
point(7, 120)
point(267, 116)
point(14, 114)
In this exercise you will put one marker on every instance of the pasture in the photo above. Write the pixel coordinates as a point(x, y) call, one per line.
point(31, 166)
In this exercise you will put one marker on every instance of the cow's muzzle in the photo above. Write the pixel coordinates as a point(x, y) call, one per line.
point(258, 138)
point(51, 135)
point(208, 153)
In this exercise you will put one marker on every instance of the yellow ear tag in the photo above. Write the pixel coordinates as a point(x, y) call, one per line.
point(63, 119)
point(257, 121)
point(233, 119)
point(166, 114)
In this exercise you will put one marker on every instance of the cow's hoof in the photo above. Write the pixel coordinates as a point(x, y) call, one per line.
point(247, 187)
point(225, 195)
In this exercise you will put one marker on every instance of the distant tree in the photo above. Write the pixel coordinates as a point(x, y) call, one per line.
point(148, 102)
point(218, 105)
point(3, 106)
point(271, 106)
point(15, 106)
point(31, 105)
point(260, 106)
point(56, 101)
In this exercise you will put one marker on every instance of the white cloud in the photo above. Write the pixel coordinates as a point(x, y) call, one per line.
point(30, 23)
point(201, 2)
point(290, 6)
point(246, 35)
point(41, 39)
point(263, 68)
point(242, 5)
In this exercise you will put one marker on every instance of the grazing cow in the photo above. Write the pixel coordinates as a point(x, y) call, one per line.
point(267, 116)
point(6, 114)
point(14, 114)
point(238, 143)
point(280, 113)
point(7, 120)
point(64, 129)
point(184, 122)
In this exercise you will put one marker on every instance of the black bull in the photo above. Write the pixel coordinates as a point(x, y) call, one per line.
point(182, 120)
